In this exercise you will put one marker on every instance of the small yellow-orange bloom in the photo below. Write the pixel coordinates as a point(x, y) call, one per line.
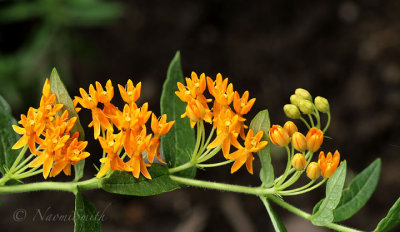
point(328, 164)
point(197, 112)
point(313, 171)
point(244, 154)
point(299, 161)
point(290, 127)
point(299, 141)
point(279, 136)
point(314, 139)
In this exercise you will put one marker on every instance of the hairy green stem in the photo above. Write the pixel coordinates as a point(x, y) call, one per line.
point(259, 191)
point(73, 187)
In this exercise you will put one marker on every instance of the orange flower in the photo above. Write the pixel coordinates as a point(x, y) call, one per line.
point(222, 92)
point(328, 164)
point(72, 153)
point(195, 85)
point(159, 128)
point(196, 112)
point(227, 132)
point(130, 94)
point(314, 139)
point(32, 128)
point(52, 146)
point(279, 136)
point(98, 116)
point(136, 163)
point(245, 154)
point(105, 97)
point(242, 105)
point(47, 110)
point(111, 145)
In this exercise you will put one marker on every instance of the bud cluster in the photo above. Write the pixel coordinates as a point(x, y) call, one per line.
point(301, 101)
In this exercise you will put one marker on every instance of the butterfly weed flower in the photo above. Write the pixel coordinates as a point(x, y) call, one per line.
point(159, 127)
point(99, 118)
point(329, 163)
point(227, 116)
point(125, 141)
point(245, 154)
point(111, 145)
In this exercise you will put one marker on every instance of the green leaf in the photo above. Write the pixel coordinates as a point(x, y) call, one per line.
point(7, 137)
point(316, 207)
point(276, 221)
point(86, 217)
point(62, 97)
point(334, 188)
point(359, 191)
point(261, 122)
point(391, 219)
point(178, 145)
point(125, 183)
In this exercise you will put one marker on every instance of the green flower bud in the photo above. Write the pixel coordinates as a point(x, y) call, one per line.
point(295, 99)
point(303, 94)
point(322, 104)
point(291, 111)
point(306, 106)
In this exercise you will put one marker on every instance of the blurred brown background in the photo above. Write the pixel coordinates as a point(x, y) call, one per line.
point(346, 51)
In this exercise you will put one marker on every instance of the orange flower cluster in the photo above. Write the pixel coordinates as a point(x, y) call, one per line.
point(228, 121)
point(51, 130)
point(130, 124)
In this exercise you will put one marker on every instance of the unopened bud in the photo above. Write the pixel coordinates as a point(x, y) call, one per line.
point(314, 139)
point(295, 99)
point(306, 106)
point(322, 104)
point(290, 127)
point(313, 171)
point(299, 141)
point(291, 111)
point(303, 94)
point(279, 136)
point(299, 161)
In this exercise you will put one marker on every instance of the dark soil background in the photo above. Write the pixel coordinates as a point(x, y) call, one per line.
point(346, 51)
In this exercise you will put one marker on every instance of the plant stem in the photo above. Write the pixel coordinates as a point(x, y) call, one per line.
point(291, 193)
point(259, 191)
point(93, 183)
point(307, 216)
point(181, 167)
point(305, 122)
point(328, 122)
point(311, 120)
point(317, 117)
point(19, 157)
point(215, 164)
point(286, 173)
